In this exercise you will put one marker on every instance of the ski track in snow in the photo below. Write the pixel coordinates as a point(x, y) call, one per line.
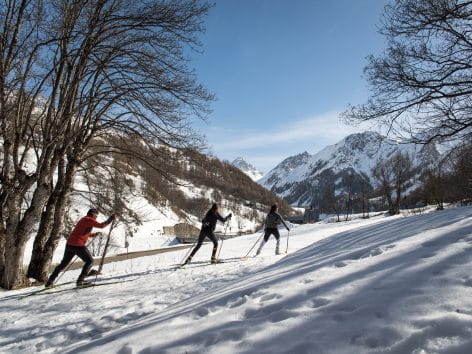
point(383, 285)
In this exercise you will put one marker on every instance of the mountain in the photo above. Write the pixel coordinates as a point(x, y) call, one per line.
point(247, 168)
point(302, 179)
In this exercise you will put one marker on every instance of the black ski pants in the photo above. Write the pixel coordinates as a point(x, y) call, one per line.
point(271, 231)
point(206, 232)
point(80, 251)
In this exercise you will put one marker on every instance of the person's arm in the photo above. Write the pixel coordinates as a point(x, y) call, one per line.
point(222, 219)
point(101, 225)
point(283, 222)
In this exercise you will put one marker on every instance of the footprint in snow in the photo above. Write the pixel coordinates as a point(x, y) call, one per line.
point(201, 312)
point(237, 302)
point(258, 294)
point(269, 297)
point(430, 244)
point(318, 302)
point(263, 311)
point(282, 316)
point(372, 253)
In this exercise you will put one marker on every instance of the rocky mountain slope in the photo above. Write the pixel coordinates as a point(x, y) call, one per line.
point(247, 168)
point(303, 178)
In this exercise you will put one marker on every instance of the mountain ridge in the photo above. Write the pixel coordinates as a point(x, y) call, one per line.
point(247, 168)
point(302, 178)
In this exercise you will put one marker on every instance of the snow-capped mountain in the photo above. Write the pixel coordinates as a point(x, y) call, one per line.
point(247, 168)
point(301, 179)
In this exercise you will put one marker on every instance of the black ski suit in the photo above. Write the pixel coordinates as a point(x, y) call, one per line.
point(208, 230)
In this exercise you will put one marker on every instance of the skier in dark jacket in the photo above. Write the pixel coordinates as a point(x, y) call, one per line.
point(75, 246)
point(272, 222)
point(208, 230)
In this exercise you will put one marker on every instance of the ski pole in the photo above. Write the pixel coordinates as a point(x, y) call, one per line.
point(224, 235)
point(288, 234)
point(254, 245)
point(104, 251)
point(188, 252)
point(65, 270)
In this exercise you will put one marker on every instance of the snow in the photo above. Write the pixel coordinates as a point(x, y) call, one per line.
point(381, 285)
point(359, 151)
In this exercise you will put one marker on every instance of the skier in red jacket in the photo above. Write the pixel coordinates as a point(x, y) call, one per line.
point(75, 246)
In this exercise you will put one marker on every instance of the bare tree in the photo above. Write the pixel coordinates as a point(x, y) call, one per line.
point(435, 184)
point(73, 75)
point(393, 176)
point(421, 87)
point(459, 176)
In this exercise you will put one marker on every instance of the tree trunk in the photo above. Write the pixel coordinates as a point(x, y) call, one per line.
point(391, 207)
point(18, 230)
point(3, 238)
point(51, 232)
point(34, 269)
point(14, 275)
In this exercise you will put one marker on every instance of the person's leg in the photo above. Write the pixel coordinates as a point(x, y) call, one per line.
point(276, 234)
point(84, 254)
point(264, 240)
point(213, 239)
point(68, 255)
point(201, 237)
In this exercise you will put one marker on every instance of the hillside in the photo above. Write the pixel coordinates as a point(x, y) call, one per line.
point(171, 187)
point(398, 285)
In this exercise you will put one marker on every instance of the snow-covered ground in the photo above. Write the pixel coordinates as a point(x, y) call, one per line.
point(382, 285)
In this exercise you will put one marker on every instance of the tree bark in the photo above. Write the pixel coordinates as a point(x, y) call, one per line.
point(52, 225)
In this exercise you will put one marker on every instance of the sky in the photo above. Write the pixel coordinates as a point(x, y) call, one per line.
point(282, 72)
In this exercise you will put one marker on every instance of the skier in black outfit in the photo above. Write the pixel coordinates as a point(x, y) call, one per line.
point(208, 227)
point(273, 219)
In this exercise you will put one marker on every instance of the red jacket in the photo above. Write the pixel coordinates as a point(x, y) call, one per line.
point(83, 230)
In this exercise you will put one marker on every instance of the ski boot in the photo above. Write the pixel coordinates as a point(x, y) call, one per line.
point(49, 284)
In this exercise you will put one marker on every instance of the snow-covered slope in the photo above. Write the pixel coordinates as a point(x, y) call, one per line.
point(150, 205)
point(382, 285)
point(298, 178)
point(247, 168)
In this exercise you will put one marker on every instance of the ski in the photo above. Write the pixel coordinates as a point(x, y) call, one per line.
point(45, 291)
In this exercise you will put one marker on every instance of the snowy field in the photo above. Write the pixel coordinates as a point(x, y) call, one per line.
point(382, 285)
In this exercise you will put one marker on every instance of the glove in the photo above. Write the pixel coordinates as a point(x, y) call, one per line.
point(229, 216)
point(111, 218)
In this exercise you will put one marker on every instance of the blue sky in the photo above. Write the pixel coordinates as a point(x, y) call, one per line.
point(282, 71)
